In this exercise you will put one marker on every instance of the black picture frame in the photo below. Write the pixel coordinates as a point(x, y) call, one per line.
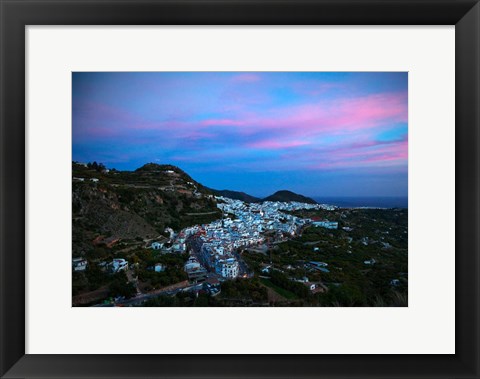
point(17, 14)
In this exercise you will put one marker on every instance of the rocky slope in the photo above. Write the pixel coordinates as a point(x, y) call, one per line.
point(111, 205)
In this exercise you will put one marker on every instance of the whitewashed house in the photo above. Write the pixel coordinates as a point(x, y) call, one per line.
point(79, 264)
point(326, 224)
point(156, 245)
point(159, 267)
point(119, 264)
point(228, 268)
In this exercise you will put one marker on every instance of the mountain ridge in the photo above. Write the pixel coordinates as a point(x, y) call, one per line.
point(136, 204)
point(140, 204)
point(282, 195)
point(286, 195)
point(236, 195)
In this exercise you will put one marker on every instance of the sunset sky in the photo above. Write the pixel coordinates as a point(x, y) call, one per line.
point(318, 134)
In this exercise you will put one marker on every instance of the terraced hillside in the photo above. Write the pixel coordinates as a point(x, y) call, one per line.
point(111, 205)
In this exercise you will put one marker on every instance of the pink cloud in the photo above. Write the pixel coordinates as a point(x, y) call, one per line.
point(273, 144)
point(325, 117)
point(247, 78)
point(351, 123)
point(222, 122)
point(348, 114)
point(347, 154)
point(380, 155)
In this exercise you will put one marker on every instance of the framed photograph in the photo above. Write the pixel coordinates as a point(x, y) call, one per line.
point(151, 228)
point(247, 189)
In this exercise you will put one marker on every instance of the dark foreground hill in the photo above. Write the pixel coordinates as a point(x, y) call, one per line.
point(236, 195)
point(277, 196)
point(111, 205)
point(289, 196)
point(136, 204)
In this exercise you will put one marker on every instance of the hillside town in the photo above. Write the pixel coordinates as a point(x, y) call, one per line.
point(213, 248)
point(214, 189)
point(216, 245)
point(212, 254)
point(283, 250)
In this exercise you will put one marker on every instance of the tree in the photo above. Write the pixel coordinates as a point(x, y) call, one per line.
point(201, 301)
point(121, 287)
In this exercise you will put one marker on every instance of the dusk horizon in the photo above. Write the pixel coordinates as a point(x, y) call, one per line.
point(316, 134)
point(256, 194)
point(240, 189)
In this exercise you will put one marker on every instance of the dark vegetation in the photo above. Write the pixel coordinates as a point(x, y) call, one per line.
point(182, 300)
point(152, 280)
point(119, 286)
point(128, 205)
point(289, 196)
point(377, 234)
point(116, 214)
point(141, 267)
point(239, 292)
point(248, 291)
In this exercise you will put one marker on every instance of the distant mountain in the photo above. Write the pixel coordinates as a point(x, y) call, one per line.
point(140, 204)
point(236, 195)
point(277, 196)
point(289, 196)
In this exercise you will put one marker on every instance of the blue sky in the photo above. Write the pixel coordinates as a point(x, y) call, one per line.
point(318, 134)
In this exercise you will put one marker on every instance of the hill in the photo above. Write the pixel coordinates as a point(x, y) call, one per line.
point(285, 195)
point(236, 195)
point(111, 205)
point(140, 204)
